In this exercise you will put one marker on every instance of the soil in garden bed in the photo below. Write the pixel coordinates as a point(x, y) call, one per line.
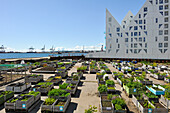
point(104, 97)
point(47, 69)
point(106, 104)
point(60, 103)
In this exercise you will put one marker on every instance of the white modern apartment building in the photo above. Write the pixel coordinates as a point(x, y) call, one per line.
point(144, 36)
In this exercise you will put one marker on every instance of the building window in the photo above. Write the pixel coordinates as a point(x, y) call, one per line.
point(160, 32)
point(140, 39)
point(121, 35)
point(135, 51)
point(156, 20)
point(131, 33)
point(109, 30)
point(127, 33)
point(166, 19)
point(166, 13)
point(139, 33)
point(140, 27)
point(160, 45)
point(123, 26)
point(144, 39)
point(166, 38)
point(118, 29)
point(118, 45)
point(146, 45)
point(162, 13)
point(130, 27)
point(166, 25)
point(161, 7)
point(145, 9)
point(131, 39)
point(156, 39)
point(144, 15)
point(166, 32)
point(144, 27)
point(110, 46)
point(126, 39)
point(116, 40)
point(135, 45)
point(136, 28)
point(139, 15)
point(110, 35)
point(135, 33)
point(131, 45)
point(161, 50)
point(156, 1)
point(166, 6)
point(136, 21)
point(140, 21)
point(160, 25)
point(145, 50)
point(160, 1)
point(126, 50)
point(165, 50)
point(165, 44)
point(146, 32)
point(110, 19)
point(144, 21)
point(166, 1)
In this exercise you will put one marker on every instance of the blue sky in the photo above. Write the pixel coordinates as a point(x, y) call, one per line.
point(65, 24)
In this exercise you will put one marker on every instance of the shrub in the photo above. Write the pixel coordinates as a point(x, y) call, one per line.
point(63, 86)
point(49, 101)
point(119, 101)
point(110, 82)
point(102, 88)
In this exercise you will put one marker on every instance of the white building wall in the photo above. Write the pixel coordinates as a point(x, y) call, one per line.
point(145, 45)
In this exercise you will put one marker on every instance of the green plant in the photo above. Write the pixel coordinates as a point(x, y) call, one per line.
point(110, 82)
point(102, 88)
point(91, 109)
point(58, 92)
point(119, 101)
point(49, 101)
point(63, 86)
point(25, 98)
point(150, 95)
point(118, 107)
point(68, 88)
point(109, 96)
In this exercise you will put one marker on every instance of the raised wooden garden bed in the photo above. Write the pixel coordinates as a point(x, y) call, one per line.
point(165, 101)
point(106, 106)
point(18, 87)
point(33, 78)
point(156, 90)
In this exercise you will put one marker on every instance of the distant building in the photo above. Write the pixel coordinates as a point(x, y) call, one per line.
point(144, 36)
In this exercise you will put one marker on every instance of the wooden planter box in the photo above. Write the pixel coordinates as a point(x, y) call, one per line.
point(155, 91)
point(61, 108)
point(2, 99)
point(156, 100)
point(61, 98)
point(20, 88)
point(120, 111)
point(47, 108)
point(28, 85)
point(166, 80)
point(106, 109)
point(28, 103)
point(63, 74)
point(31, 79)
point(8, 96)
point(165, 101)
point(10, 105)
